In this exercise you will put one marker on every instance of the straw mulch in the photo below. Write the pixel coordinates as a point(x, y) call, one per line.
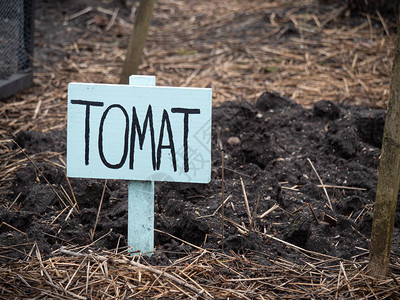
point(240, 48)
point(201, 274)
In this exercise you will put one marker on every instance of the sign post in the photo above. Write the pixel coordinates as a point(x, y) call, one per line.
point(141, 198)
point(141, 133)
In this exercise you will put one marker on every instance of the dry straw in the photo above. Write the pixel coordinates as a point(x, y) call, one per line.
point(202, 274)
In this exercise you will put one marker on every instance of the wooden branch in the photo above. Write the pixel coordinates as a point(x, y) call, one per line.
point(137, 40)
point(388, 179)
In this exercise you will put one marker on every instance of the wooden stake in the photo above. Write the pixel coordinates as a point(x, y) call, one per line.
point(137, 40)
point(388, 180)
point(141, 199)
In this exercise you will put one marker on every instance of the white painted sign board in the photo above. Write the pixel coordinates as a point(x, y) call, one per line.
point(141, 133)
point(147, 133)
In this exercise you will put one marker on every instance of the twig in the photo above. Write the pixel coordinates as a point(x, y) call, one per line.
point(70, 212)
point(65, 291)
point(329, 219)
point(275, 206)
point(179, 239)
point(68, 198)
point(298, 209)
point(198, 285)
point(254, 216)
point(383, 23)
point(80, 13)
point(246, 203)
point(222, 200)
point(114, 16)
point(290, 188)
point(76, 272)
point(39, 257)
point(98, 211)
point(72, 191)
point(92, 243)
point(237, 172)
point(37, 109)
point(371, 28)
point(241, 229)
point(15, 200)
point(62, 211)
point(299, 248)
point(12, 227)
point(313, 212)
point(217, 209)
point(346, 278)
point(23, 280)
point(329, 186)
point(87, 276)
point(367, 239)
point(322, 184)
point(219, 142)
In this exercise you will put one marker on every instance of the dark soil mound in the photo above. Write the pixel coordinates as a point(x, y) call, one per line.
point(271, 146)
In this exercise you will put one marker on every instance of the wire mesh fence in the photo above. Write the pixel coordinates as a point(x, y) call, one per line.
point(16, 37)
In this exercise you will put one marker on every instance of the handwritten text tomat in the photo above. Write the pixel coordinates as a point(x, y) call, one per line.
point(139, 133)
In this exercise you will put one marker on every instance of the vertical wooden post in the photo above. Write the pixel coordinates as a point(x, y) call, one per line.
point(141, 199)
point(137, 40)
point(388, 180)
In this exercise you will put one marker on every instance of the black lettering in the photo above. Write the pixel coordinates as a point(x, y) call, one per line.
point(101, 151)
point(187, 112)
point(165, 120)
point(141, 134)
point(87, 123)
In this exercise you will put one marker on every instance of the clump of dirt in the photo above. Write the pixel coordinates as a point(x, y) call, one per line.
point(272, 147)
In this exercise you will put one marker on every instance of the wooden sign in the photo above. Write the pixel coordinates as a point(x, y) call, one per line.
point(139, 132)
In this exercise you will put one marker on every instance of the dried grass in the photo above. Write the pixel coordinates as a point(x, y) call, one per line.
point(202, 274)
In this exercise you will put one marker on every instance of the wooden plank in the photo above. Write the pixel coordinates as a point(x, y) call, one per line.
point(139, 132)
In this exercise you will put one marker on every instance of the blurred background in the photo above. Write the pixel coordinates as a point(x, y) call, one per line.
point(308, 50)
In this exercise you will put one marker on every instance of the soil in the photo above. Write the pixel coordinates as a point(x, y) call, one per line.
point(271, 146)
